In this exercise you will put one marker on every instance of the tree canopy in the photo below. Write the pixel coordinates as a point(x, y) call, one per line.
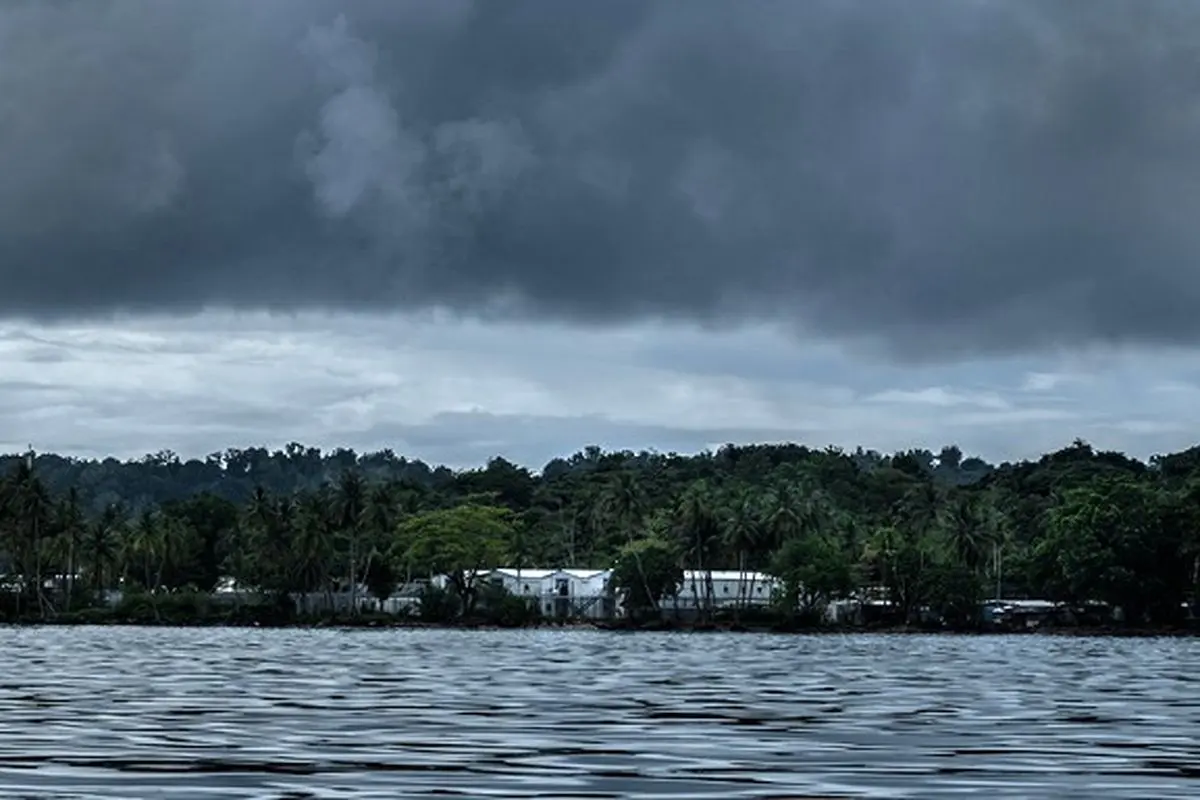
point(928, 530)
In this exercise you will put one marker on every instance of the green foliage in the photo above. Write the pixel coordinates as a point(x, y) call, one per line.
point(460, 542)
point(814, 569)
point(956, 591)
point(934, 533)
point(380, 578)
point(1105, 541)
point(167, 608)
point(506, 610)
point(646, 571)
point(437, 605)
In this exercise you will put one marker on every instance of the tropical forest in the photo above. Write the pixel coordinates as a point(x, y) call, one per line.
point(934, 534)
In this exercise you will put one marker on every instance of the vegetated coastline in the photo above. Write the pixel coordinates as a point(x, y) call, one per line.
point(933, 534)
point(379, 622)
point(191, 610)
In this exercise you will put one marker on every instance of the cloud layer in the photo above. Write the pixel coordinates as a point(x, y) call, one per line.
point(460, 392)
point(941, 178)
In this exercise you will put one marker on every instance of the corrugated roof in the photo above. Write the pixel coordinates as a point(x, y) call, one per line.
point(534, 574)
point(726, 575)
point(583, 573)
point(525, 574)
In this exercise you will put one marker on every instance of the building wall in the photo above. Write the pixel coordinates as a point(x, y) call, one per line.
point(586, 590)
point(729, 588)
point(588, 594)
point(529, 583)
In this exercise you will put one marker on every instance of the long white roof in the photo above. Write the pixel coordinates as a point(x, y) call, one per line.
point(583, 573)
point(541, 574)
point(700, 576)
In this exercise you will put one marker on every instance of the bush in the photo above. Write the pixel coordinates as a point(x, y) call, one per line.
point(500, 607)
point(170, 608)
point(437, 605)
point(88, 616)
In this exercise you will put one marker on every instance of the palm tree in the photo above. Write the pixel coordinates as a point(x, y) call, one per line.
point(312, 549)
point(919, 510)
point(742, 532)
point(699, 528)
point(153, 543)
point(30, 511)
point(141, 547)
point(350, 505)
point(379, 521)
point(784, 516)
point(265, 542)
point(8, 533)
point(173, 540)
point(967, 530)
point(880, 552)
point(556, 501)
point(73, 528)
point(101, 548)
point(997, 533)
point(623, 504)
point(260, 511)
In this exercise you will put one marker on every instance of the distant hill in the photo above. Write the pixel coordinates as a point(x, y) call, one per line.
point(235, 473)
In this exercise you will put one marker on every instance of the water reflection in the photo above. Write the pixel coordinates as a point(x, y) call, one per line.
point(128, 712)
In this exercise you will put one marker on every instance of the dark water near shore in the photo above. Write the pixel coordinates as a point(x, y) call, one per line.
point(228, 713)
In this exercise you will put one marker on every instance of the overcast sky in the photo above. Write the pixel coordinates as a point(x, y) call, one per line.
point(464, 229)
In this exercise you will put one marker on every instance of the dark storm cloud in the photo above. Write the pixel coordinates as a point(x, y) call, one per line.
point(942, 176)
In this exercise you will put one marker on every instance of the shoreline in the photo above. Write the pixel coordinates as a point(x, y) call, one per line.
point(380, 624)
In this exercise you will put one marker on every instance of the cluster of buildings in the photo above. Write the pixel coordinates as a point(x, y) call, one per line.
point(588, 593)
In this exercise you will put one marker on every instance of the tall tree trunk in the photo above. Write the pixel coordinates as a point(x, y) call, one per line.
point(367, 571)
point(353, 577)
point(162, 568)
point(38, 575)
point(637, 562)
point(752, 575)
point(710, 592)
point(37, 572)
point(743, 599)
point(99, 584)
point(153, 589)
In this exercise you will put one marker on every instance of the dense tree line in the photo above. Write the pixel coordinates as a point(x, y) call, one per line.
point(927, 531)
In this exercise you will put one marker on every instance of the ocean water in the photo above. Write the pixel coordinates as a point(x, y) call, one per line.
point(253, 713)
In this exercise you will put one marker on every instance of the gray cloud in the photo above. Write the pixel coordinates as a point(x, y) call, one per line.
point(940, 177)
point(459, 392)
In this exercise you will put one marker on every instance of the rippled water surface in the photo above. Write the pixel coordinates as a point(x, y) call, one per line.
point(140, 712)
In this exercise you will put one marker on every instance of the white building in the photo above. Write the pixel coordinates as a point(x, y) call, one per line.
point(523, 582)
point(561, 593)
point(730, 589)
point(588, 594)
